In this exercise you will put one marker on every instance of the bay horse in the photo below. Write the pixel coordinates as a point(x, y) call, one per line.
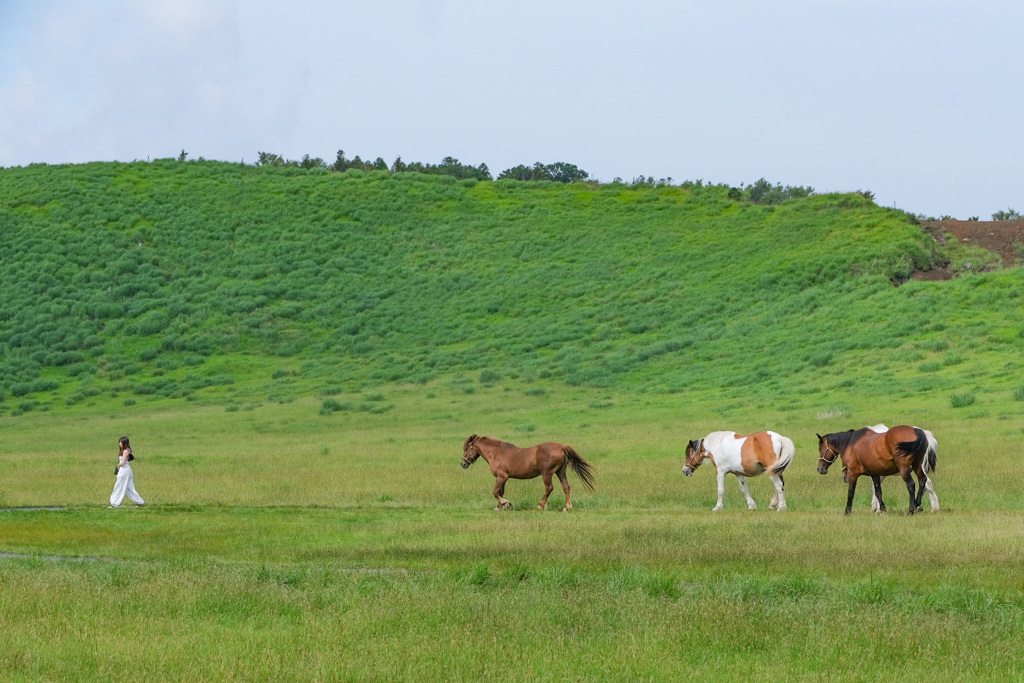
point(928, 466)
point(508, 461)
point(744, 456)
point(901, 450)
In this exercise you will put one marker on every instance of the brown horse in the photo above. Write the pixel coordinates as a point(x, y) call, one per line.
point(900, 450)
point(509, 461)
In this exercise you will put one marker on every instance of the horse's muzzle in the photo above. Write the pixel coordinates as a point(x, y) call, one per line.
point(688, 471)
point(822, 469)
point(465, 464)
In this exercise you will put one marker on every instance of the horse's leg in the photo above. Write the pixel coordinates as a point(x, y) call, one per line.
point(779, 499)
point(909, 478)
point(922, 480)
point(877, 504)
point(853, 488)
point(565, 487)
point(499, 493)
point(751, 505)
point(548, 488)
point(931, 493)
point(721, 490)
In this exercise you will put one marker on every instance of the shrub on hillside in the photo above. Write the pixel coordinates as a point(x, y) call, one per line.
point(1008, 215)
point(489, 377)
point(331, 405)
point(962, 400)
point(39, 385)
point(763, 192)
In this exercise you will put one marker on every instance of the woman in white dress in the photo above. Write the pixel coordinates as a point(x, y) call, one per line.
point(125, 482)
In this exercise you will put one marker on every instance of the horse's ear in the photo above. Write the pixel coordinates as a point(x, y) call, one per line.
point(820, 438)
point(470, 440)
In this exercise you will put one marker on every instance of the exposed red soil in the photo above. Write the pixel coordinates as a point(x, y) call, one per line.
point(997, 236)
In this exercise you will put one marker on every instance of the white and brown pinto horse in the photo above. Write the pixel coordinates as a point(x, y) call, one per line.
point(508, 461)
point(744, 456)
point(902, 450)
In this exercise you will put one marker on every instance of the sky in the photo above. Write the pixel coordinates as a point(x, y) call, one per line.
point(918, 102)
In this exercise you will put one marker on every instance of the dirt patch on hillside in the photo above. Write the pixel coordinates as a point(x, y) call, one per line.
point(997, 236)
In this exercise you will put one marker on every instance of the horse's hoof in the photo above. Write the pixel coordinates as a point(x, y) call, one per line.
point(920, 509)
point(715, 509)
point(751, 507)
point(781, 508)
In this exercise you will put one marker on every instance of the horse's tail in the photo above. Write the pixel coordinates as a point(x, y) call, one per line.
point(918, 448)
point(580, 466)
point(932, 456)
point(786, 452)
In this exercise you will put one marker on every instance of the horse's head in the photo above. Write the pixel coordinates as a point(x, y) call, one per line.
point(828, 453)
point(470, 451)
point(695, 455)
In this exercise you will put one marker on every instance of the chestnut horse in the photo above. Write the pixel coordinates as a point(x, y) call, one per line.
point(901, 450)
point(744, 456)
point(928, 466)
point(509, 461)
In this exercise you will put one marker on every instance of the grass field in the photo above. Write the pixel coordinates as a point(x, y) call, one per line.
point(282, 544)
point(298, 357)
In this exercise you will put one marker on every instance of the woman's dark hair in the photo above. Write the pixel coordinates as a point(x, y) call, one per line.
point(122, 444)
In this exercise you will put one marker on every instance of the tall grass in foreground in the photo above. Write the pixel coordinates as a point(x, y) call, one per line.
point(216, 622)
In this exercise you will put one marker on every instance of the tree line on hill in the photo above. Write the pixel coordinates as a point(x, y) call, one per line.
point(559, 172)
point(760, 192)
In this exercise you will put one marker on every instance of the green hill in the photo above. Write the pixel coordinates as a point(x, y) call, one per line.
point(223, 282)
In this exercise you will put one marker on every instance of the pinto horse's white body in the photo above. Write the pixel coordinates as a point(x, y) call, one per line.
point(933, 447)
point(749, 456)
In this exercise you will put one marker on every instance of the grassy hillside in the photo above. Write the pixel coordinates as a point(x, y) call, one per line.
point(214, 281)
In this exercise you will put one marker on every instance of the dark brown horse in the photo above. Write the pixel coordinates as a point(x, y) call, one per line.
point(901, 450)
point(508, 461)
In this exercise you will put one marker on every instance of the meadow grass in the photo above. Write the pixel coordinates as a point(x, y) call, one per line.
point(279, 543)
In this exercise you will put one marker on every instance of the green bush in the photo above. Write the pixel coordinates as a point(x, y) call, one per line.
point(962, 400)
point(489, 377)
point(331, 405)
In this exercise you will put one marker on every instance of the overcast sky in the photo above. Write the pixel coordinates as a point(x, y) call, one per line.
point(919, 102)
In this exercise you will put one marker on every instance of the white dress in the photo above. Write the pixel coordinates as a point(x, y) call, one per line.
point(125, 484)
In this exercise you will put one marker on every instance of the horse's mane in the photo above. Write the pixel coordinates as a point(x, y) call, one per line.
point(842, 440)
point(491, 440)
